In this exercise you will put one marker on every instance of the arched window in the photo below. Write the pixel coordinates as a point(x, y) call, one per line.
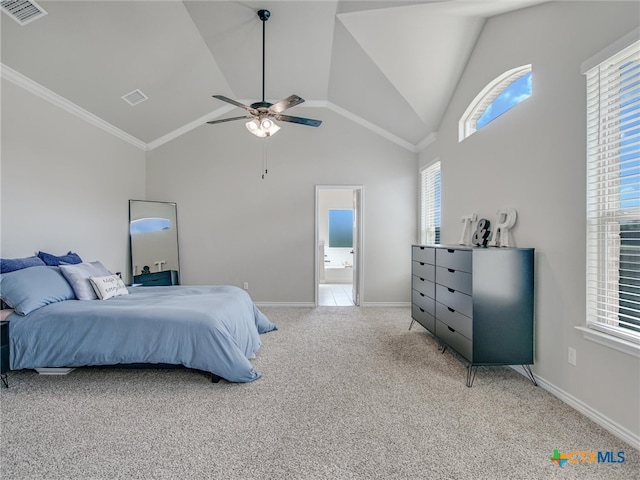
point(500, 95)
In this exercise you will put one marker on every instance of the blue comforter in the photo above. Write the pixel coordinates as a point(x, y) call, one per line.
point(210, 328)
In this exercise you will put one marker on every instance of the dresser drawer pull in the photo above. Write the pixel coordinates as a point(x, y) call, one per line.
point(421, 310)
point(421, 264)
point(421, 248)
point(421, 294)
point(451, 270)
point(451, 329)
point(450, 250)
point(451, 290)
point(421, 279)
point(451, 310)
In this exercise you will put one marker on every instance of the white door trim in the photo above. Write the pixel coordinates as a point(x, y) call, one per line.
point(359, 267)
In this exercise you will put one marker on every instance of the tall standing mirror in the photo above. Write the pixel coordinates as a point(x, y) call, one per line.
point(153, 236)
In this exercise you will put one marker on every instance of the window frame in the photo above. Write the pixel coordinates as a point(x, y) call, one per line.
point(430, 179)
point(604, 161)
point(468, 122)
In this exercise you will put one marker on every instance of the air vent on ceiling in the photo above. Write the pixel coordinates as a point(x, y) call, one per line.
point(22, 11)
point(135, 97)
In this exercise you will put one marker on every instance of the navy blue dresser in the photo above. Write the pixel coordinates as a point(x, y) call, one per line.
point(157, 279)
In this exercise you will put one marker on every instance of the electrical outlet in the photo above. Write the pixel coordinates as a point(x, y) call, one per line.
point(572, 356)
point(245, 285)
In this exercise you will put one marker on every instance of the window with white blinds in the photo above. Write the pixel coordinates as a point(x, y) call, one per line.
point(430, 204)
point(613, 194)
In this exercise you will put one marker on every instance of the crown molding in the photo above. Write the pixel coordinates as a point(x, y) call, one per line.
point(36, 89)
point(371, 126)
point(426, 141)
point(178, 132)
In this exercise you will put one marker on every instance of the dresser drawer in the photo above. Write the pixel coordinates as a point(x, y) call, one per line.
point(455, 340)
point(423, 317)
point(454, 259)
point(424, 286)
point(424, 270)
point(454, 319)
point(457, 300)
point(456, 279)
point(424, 302)
point(423, 254)
point(166, 278)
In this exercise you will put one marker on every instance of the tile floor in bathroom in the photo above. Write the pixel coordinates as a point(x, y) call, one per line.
point(335, 295)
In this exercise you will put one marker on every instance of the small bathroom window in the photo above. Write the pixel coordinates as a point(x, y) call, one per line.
point(341, 228)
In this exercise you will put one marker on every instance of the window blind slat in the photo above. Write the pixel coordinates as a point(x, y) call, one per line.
point(613, 194)
point(430, 204)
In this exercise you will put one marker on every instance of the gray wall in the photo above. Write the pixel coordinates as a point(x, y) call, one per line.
point(533, 159)
point(66, 184)
point(236, 227)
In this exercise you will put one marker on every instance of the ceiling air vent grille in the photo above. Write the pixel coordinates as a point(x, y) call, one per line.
point(22, 11)
point(134, 98)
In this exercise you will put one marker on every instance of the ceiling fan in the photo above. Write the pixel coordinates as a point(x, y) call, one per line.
point(264, 114)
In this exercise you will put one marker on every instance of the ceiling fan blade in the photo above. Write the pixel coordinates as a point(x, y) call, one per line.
point(213, 122)
point(253, 111)
point(302, 121)
point(288, 102)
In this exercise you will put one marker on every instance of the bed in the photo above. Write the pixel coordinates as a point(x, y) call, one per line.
point(215, 329)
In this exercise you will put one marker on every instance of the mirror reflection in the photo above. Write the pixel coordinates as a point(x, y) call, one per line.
point(153, 234)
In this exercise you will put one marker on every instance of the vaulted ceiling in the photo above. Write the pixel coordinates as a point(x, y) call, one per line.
point(388, 65)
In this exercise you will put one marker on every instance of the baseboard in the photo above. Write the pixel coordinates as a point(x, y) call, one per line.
point(387, 304)
point(616, 429)
point(310, 304)
point(291, 304)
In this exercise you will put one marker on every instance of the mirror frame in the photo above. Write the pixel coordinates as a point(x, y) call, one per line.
point(131, 259)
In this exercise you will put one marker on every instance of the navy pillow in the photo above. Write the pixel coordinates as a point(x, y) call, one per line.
point(12, 264)
point(53, 260)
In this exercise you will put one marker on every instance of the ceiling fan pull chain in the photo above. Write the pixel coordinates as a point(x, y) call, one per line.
point(264, 157)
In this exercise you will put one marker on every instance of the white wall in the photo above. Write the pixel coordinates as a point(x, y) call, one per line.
point(65, 184)
point(533, 159)
point(236, 227)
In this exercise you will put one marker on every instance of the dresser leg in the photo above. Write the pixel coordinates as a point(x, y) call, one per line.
point(529, 373)
point(471, 374)
point(412, 322)
point(5, 380)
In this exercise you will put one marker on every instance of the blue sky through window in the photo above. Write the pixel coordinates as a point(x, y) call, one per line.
point(630, 131)
point(515, 93)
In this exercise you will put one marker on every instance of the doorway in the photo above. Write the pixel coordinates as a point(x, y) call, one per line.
point(338, 245)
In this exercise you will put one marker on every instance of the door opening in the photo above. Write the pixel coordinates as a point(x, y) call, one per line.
point(338, 245)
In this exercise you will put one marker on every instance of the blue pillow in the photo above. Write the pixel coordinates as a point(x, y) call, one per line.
point(31, 288)
point(12, 264)
point(53, 260)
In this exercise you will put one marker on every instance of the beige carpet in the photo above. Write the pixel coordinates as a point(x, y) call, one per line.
point(346, 393)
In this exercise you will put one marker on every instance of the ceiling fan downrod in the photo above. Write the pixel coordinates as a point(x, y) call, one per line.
point(264, 16)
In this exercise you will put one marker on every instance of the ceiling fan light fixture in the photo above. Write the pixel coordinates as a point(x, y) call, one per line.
point(269, 126)
point(264, 127)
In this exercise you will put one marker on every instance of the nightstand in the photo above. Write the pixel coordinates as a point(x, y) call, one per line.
point(4, 352)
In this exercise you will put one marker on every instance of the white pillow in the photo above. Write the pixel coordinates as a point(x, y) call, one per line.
point(109, 286)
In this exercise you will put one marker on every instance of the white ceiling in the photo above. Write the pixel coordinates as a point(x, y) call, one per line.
point(389, 65)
